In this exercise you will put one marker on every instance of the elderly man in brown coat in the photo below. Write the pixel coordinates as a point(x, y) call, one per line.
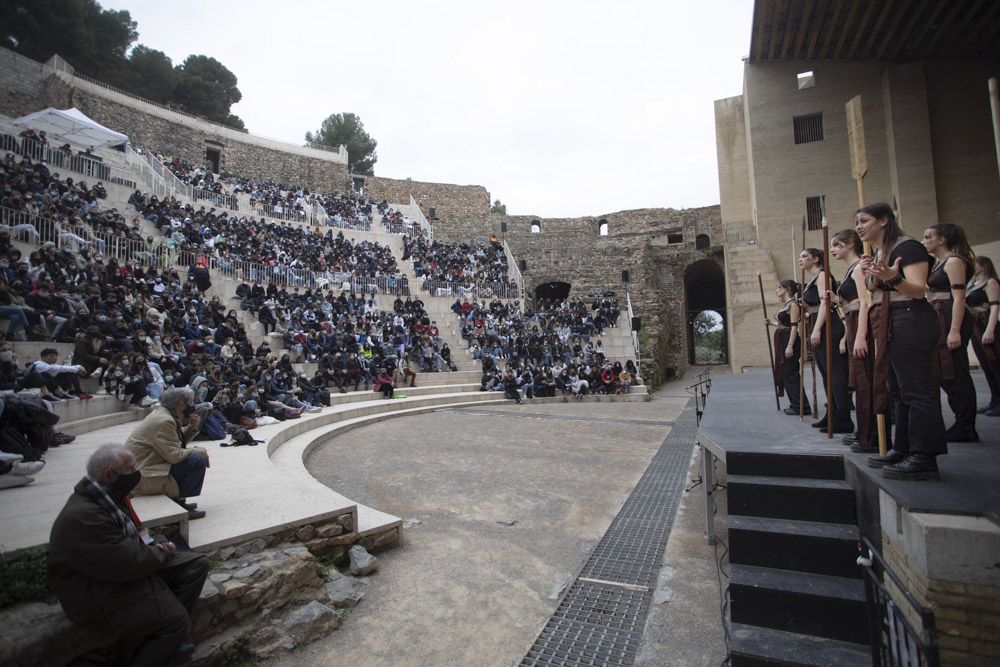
point(159, 444)
point(111, 577)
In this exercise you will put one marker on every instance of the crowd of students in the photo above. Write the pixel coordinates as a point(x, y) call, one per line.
point(901, 317)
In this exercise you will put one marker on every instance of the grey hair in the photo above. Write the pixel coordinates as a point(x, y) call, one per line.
point(171, 398)
point(105, 458)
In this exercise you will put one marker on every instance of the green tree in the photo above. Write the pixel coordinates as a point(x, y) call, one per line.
point(205, 87)
point(347, 129)
point(705, 322)
point(92, 39)
point(151, 74)
point(499, 207)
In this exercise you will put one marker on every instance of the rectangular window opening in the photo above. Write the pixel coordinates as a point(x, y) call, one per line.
point(808, 128)
point(814, 214)
point(806, 80)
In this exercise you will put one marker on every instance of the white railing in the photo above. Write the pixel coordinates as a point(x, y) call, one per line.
point(487, 290)
point(635, 334)
point(514, 270)
point(36, 230)
point(151, 179)
point(91, 166)
point(421, 219)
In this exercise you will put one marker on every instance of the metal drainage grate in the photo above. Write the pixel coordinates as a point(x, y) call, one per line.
point(593, 625)
point(601, 617)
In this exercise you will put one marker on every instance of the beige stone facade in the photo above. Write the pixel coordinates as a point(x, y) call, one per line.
point(929, 141)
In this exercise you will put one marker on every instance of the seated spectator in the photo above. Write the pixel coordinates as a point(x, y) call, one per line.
point(60, 382)
point(159, 444)
point(114, 578)
point(384, 383)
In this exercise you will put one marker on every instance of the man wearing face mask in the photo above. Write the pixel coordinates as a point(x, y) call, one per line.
point(159, 444)
point(111, 577)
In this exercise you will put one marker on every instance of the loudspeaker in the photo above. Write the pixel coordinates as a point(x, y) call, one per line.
point(625, 277)
point(503, 227)
point(432, 213)
point(636, 324)
point(522, 264)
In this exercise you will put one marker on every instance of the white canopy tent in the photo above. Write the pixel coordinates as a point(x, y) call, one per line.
point(71, 126)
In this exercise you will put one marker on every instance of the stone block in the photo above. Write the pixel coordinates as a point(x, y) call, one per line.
point(233, 589)
point(310, 622)
point(330, 530)
point(362, 562)
point(345, 592)
point(305, 533)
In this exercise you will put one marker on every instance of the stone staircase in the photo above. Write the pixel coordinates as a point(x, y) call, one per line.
point(796, 592)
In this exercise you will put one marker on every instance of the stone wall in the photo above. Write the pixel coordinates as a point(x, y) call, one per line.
point(29, 86)
point(22, 90)
point(447, 200)
point(656, 247)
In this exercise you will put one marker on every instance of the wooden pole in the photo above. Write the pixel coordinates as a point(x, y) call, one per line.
point(770, 347)
point(827, 287)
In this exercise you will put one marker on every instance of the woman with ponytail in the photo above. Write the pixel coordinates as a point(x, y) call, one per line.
point(846, 246)
point(983, 299)
point(897, 276)
point(787, 346)
point(952, 270)
point(838, 405)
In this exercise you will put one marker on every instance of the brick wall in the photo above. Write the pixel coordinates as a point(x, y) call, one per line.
point(966, 615)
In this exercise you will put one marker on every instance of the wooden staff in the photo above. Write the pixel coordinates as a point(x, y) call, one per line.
point(859, 169)
point(800, 326)
point(804, 345)
point(770, 347)
point(827, 287)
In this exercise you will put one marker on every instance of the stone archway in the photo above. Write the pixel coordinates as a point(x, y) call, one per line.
point(554, 289)
point(705, 311)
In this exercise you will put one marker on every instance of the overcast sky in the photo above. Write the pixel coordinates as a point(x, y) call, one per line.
point(557, 108)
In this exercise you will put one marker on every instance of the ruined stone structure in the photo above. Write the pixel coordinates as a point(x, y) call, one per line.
point(673, 258)
point(30, 86)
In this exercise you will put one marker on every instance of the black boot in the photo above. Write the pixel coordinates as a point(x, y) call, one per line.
point(891, 457)
point(821, 423)
point(959, 433)
point(915, 466)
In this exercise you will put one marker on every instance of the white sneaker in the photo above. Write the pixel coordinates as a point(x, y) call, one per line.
point(313, 408)
point(147, 401)
point(26, 468)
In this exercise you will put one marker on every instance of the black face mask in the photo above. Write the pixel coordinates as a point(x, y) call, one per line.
point(123, 485)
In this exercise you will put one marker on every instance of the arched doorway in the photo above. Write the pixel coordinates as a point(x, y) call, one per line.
point(705, 297)
point(552, 290)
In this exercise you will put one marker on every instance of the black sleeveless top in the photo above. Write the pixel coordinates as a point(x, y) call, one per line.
point(810, 295)
point(784, 315)
point(976, 296)
point(938, 280)
point(848, 291)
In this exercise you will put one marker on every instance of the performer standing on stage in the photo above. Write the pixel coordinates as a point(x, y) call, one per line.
point(846, 246)
point(788, 346)
point(838, 406)
point(897, 276)
point(983, 299)
point(946, 284)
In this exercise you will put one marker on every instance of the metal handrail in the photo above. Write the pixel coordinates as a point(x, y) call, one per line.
point(635, 334)
point(514, 270)
point(894, 640)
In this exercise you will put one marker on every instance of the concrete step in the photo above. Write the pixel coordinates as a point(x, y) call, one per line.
point(800, 546)
point(753, 646)
point(802, 603)
point(830, 501)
